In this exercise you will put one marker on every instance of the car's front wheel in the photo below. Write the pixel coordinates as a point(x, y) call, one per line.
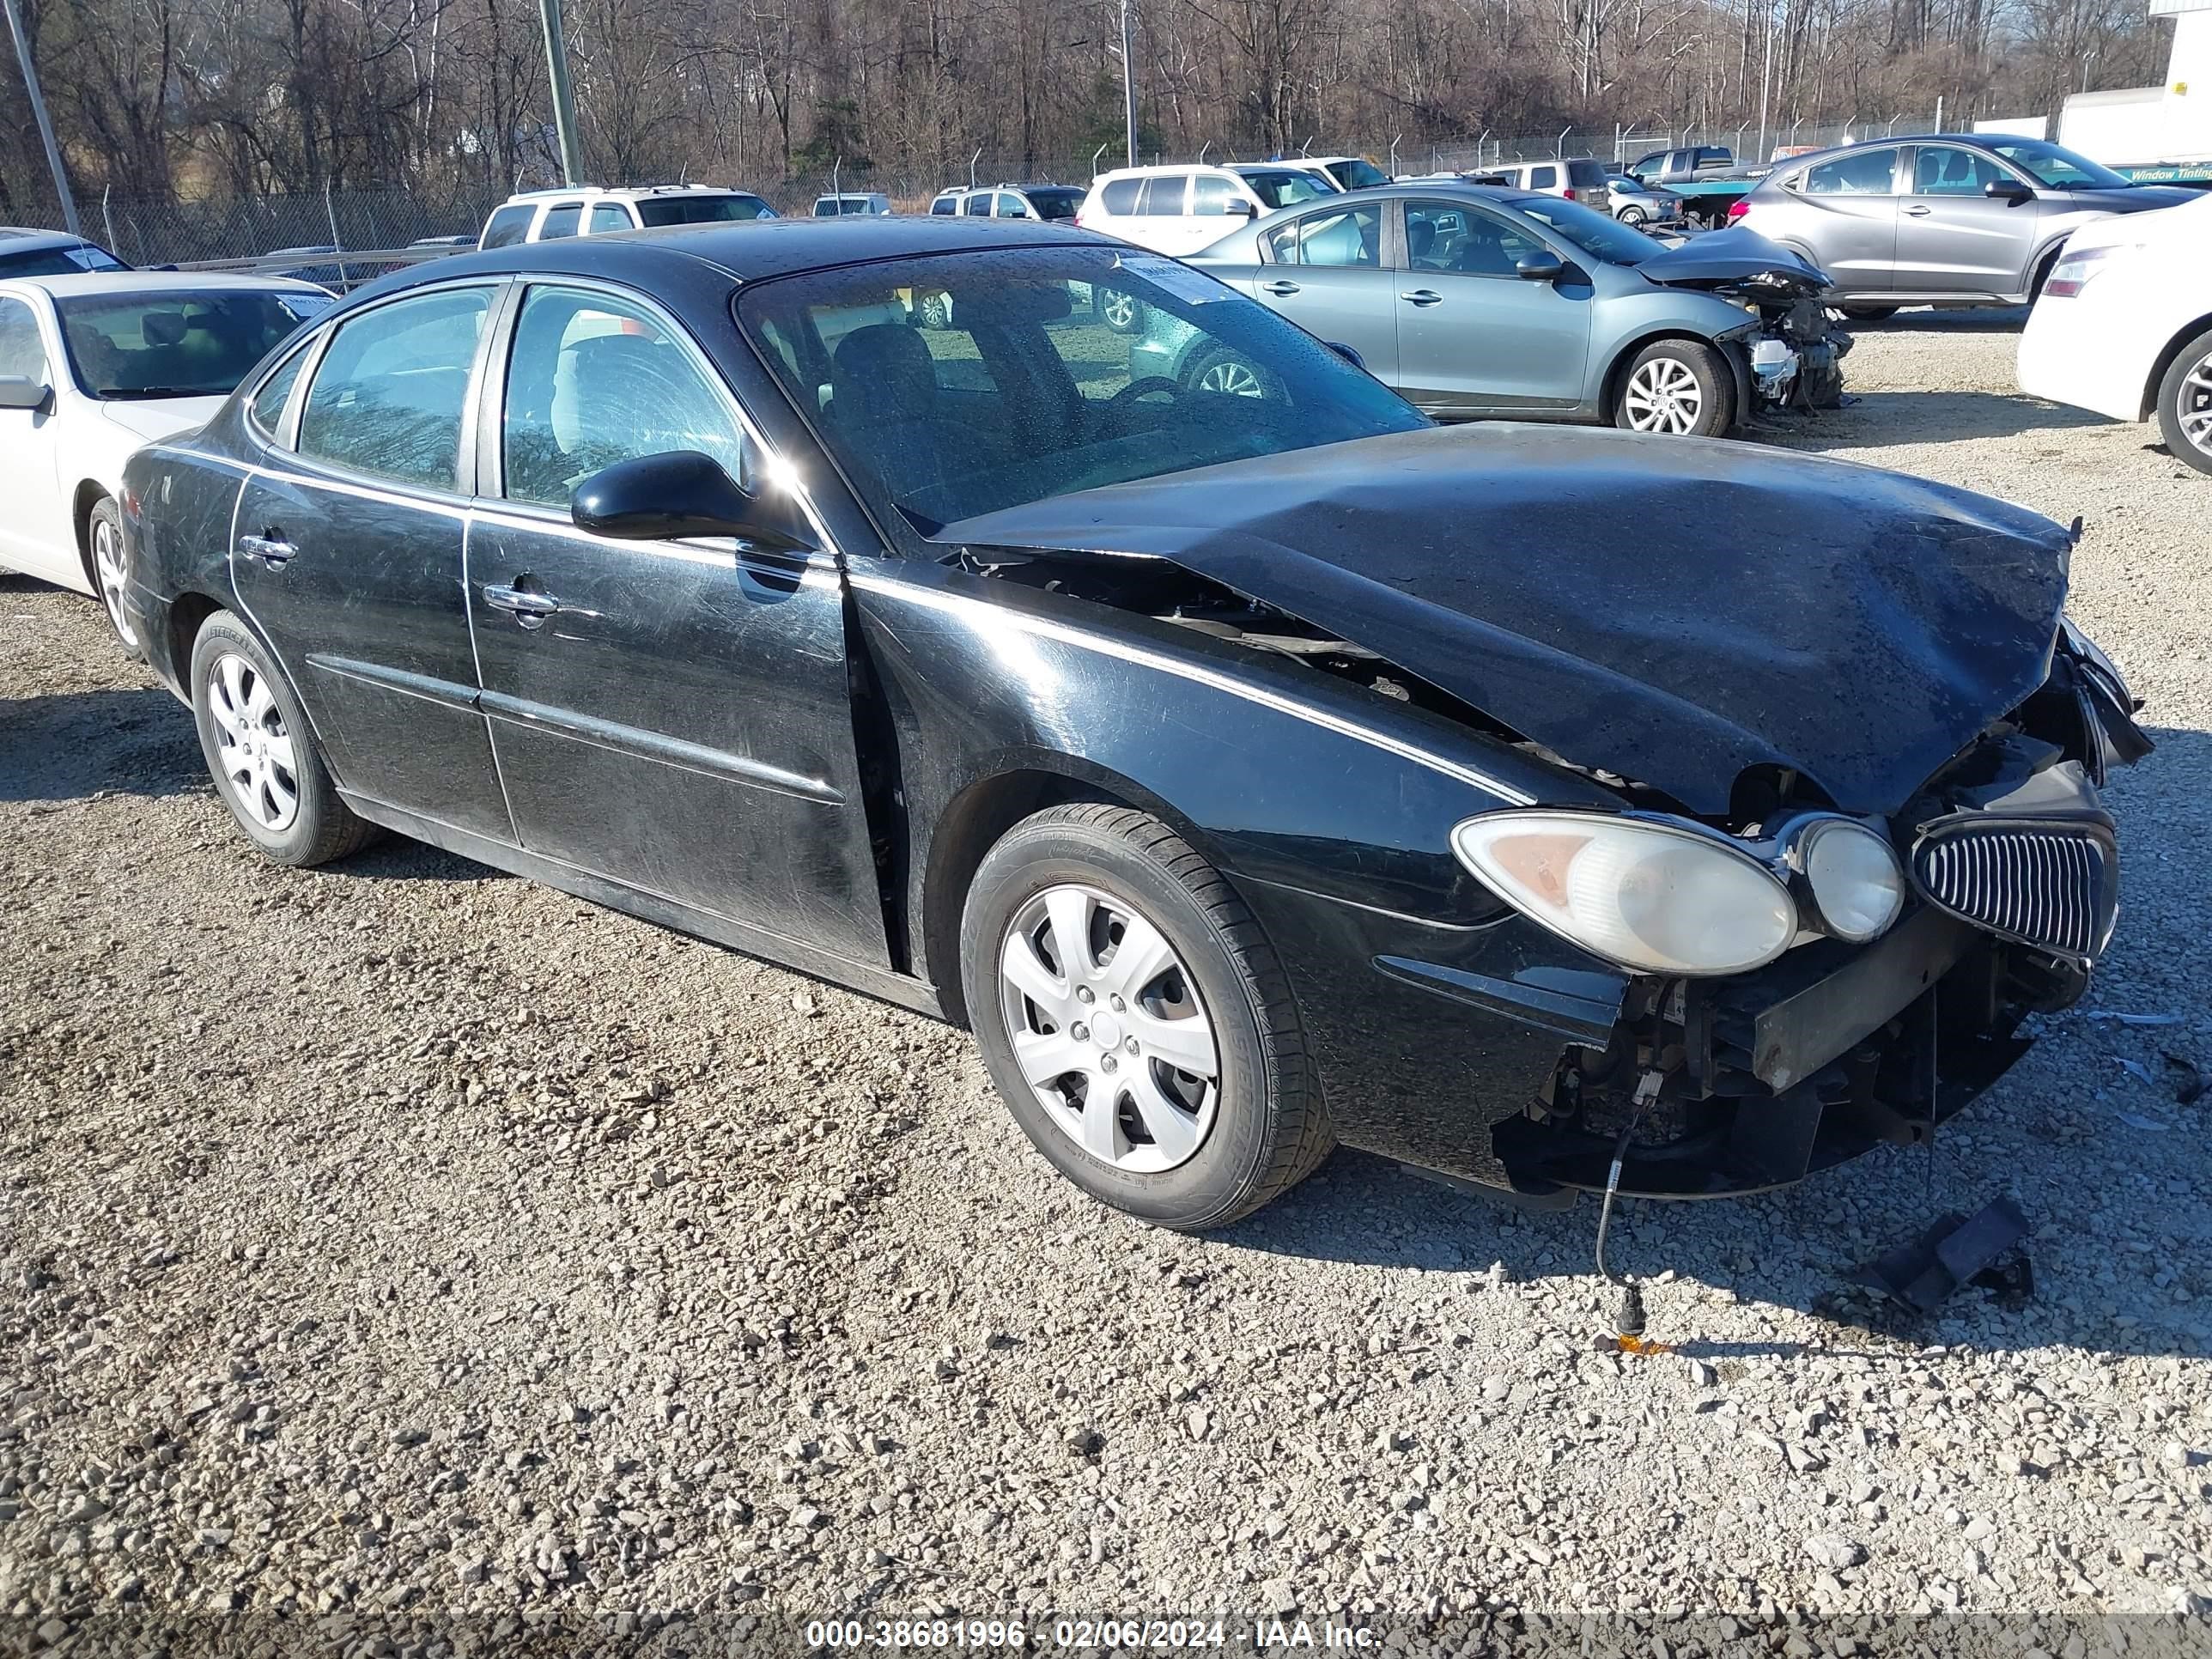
point(1633, 217)
point(1682, 387)
point(2185, 403)
point(105, 564)
point(262, 753)
point(1136, 1020)
point(1121, 312)
point(1229, 373)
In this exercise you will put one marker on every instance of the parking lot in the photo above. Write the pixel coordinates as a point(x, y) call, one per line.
point(401, 1236)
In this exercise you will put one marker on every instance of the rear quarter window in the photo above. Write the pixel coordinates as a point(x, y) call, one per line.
point(1120, 196)
point(508, 227)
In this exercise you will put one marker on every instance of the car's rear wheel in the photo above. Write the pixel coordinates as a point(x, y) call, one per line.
point(1868, 313)
point(1121, 312)
point(1135, 1019)
point(262, 753)
point(105, 564)
point(2185, 403)
point(1230, 374)
point(1680, 388)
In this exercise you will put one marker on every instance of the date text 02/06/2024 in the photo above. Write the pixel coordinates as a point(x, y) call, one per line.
point(1079, 1634)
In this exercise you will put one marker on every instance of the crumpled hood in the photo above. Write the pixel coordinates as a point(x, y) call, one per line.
point(151, 419)
point(1669, 609)
point(1725, 257)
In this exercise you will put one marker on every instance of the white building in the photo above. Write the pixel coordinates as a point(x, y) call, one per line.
point(2168, 123)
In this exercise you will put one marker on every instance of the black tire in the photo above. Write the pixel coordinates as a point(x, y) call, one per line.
point(103, 529)
point(321, 827)
point(1714, 411)
point(1225, 373)
point(1270, 1128)
point(1634, 217)
point(1868, 313)
point(2179, 398)
point(1123, 313)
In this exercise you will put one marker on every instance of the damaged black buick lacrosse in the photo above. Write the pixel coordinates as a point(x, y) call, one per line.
point(1249, 764)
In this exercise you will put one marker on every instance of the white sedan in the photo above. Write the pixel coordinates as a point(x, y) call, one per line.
point(91, 367)
point(2124, 326)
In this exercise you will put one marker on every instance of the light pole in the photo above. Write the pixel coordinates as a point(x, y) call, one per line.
point(564, 103)
point(1128, 78)
point(38, 115)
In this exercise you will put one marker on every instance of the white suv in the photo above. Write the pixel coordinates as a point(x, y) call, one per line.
point(546, 216)
point(1180, 210)
point(1577, 180)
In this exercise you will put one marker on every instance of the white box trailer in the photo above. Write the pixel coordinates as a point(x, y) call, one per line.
point(2138, 128)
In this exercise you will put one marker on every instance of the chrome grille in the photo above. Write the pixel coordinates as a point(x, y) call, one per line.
point(2052, 887)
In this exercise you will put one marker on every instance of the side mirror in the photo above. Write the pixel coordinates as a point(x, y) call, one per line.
point(681, 493)
point(1545, 267)
point(2006, 189)
point(1346, 353)
point(21, 391)
point(1238, 207)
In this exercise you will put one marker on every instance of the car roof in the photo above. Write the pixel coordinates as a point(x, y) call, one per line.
point(574, 192)
point(24, 239)
point(116, 283)
point(750, 252)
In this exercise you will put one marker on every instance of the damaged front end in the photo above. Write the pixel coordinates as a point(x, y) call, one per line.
point(1794, 350)
point(1709, 1087)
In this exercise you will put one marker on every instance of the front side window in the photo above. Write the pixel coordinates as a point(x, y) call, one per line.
point(1211, 196)
point(561, 222)
point(1164, 195)
point(1449, 236)
point(172, 344)
point(1863, 173)
point(268, 405)
point(594, 380)
point(509, 226)
point(388, 396)
point(736, 208)
point(609, 216)
point(21, 353)
point(1011, 206)
point(1031, 392)
point(1289, 187)
point(1946, 171)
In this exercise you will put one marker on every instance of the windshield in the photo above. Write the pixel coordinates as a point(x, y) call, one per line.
point(1287, 188)
point(2055, 168)
point(1055, 203)
point(1357, 174)
point(1596, 233)
point(966, 383)
point(177, 344)
point(659, 210)
point(59, 261)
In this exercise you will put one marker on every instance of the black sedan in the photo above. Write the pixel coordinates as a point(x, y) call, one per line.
point(1248, 773)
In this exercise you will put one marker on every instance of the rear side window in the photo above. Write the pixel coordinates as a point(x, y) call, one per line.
point(268, 405)
point(945, 205)
point(561, 222)
point(1864, 172)
point(1165, 194)
point(387, 398)
point(977, 206)
point(1120, 196)
point(509, 226)
point(609, 216)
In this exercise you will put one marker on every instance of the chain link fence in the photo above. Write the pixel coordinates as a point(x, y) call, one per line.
point(147, 229)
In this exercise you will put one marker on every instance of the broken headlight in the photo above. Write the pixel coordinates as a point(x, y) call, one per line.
point(1857, 884)
point(1656, 896)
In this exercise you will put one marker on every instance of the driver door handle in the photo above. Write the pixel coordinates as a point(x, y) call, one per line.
point(1423, 296)
point(1918, 212)
point(271, 550)
point(529, 609)
point(1279, 286)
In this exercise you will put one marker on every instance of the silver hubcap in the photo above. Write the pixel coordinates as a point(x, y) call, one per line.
point(107, 570)
point(255, 750)
point(1108, 1029)
point(1118, 309)
point(1664, 395)
point(2193, 409)
point(1235, 378)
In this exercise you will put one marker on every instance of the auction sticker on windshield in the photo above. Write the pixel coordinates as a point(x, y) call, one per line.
point(1179, 280)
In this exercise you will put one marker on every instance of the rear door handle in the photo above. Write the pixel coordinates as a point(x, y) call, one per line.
point(271, 550)
point(1919, 212)
point(529, 609)
point(1281, 286)
point(1423, 296)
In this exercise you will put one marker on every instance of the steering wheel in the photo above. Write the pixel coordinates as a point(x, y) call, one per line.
point(1144, 387)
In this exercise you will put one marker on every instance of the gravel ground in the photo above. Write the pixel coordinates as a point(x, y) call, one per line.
point(402, 1239)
